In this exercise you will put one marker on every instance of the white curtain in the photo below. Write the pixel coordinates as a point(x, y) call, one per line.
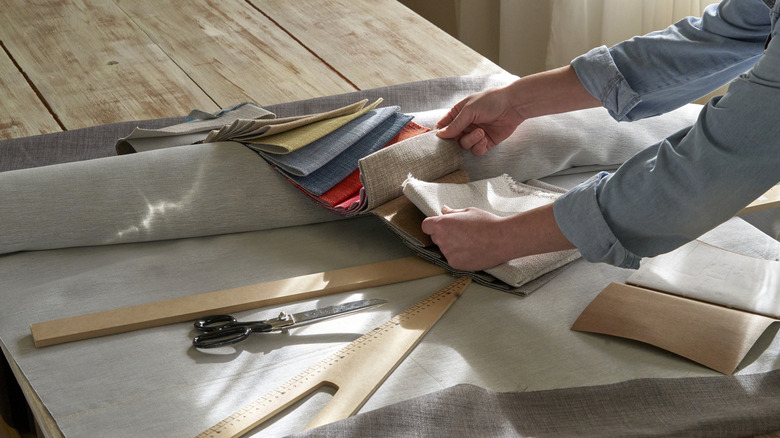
point(527, 36)
point(577, 26)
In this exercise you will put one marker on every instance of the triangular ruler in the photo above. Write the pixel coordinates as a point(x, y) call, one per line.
point(356, 371)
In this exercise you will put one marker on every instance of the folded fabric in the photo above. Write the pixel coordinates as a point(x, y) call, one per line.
point(351, 185)
point(501, 196)
point(425, 156)
point(192, 131)
point(306, 160)
point(290, 140)
point(345, 197)
point(327, 176)
point(403, 217)
point(243, 129)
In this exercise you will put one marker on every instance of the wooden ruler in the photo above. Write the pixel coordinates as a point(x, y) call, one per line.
point(355, 371)
point(187, 308)
point(770, 199)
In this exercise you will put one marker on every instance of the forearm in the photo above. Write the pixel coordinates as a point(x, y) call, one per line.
point(531, 232)
point(550, 92)
point(689, 59)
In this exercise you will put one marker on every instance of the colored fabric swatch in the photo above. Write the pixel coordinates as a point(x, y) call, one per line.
point(324, 178)
point(348, 197)
point(293, 139)
point(306, 160)
point(351, 185)
point(243, 129)
point(194, 131)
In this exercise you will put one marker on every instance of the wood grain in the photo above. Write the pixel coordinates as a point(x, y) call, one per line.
point(375, 43)
point(234, 52)
point(22, 113)
point(93, 65)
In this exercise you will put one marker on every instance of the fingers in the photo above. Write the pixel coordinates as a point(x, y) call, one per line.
point(454, 123)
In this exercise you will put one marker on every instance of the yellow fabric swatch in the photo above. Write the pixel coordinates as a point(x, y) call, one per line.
point(243, 130)
point(288, 141)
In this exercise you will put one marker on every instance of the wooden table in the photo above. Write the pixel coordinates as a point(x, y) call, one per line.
point(69, 64)
point(78, 63)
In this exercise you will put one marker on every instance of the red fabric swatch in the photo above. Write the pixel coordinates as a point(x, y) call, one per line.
point(350, 186)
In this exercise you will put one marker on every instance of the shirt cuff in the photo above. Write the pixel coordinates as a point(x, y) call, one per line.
point(599, 74)
point(579, 217)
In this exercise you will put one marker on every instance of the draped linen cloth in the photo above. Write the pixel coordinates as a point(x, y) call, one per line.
point(692, 407)
point(488, 338)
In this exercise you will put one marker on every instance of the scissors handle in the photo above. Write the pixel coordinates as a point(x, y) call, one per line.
point(221, 330)
point(215, 323)
point(220, 338)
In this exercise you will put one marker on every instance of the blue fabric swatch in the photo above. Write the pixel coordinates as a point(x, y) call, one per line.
point(324, 178)
point(304, 161)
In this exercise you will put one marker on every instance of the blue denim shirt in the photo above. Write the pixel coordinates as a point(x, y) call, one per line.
point(679, 188)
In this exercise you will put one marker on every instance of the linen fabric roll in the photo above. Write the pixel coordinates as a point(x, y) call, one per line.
point(207, 189)
point(160, 196)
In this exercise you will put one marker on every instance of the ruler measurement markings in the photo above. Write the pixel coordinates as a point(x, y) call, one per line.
point(349, 358)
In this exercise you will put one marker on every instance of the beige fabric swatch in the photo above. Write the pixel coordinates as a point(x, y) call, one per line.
point(403, 217)
point(501, 196)
point(294, 139)
point(142, 140)
point(714, 275)
point(426, 157)
point(246, 130)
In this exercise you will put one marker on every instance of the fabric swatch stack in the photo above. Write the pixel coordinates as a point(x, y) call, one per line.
point(340, 159)
point(319, 153)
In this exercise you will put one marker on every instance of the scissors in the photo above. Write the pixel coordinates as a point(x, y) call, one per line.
point(221, 330)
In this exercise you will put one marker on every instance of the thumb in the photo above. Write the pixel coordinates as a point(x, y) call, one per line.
point(455, 127)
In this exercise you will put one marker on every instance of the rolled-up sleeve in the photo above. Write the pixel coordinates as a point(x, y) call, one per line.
point(675, 190)
point(658, 72)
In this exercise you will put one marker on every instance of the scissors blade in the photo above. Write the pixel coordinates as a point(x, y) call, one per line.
point(316, 315)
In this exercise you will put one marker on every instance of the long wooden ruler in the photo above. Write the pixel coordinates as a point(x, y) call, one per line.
point(271, 293)
point(356, 371)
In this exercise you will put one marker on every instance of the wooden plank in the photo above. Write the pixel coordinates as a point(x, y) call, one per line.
point(191, 307)
point(234, 52)
point(375, 43)
point(22, 113)
point(93, 65)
